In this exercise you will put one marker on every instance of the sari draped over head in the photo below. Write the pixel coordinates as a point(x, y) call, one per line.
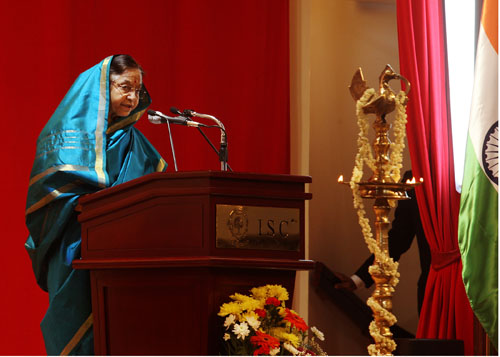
point(78, 153)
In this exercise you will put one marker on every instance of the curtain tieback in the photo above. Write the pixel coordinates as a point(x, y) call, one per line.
point(439, 260)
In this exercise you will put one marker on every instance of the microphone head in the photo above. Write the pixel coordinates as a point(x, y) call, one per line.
point(153, 119)
point(188, 113)
point(174, 110)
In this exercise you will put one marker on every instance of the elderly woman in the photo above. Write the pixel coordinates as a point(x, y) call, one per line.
point(88, 144)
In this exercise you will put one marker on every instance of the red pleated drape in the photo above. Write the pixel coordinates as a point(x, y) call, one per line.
point(446, 313)
point(221, 57)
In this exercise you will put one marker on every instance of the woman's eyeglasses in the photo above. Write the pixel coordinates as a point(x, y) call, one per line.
point(125, 89)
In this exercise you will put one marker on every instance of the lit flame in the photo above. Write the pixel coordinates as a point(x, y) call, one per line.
point(421, 179)
point(341, 178)
point(411, 181)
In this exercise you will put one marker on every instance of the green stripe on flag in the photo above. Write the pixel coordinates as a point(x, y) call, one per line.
point(478, 241)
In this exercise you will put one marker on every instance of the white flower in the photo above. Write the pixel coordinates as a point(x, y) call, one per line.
point(241, 330)
point(318, 333)
point(253, 322)
point(274, 351)
point(291, 349)
point(229, 321)
point(226, 337)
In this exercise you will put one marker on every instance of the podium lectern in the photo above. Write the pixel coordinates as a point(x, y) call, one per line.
point(166, 250)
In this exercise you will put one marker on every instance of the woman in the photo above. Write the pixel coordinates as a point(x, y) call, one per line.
point(88, 144)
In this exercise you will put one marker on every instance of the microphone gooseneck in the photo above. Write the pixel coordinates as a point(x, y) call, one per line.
point(183, 118)
point(157, 117)
point(223, 137)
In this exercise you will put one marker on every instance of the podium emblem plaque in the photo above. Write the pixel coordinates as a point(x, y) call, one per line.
point(257, 227)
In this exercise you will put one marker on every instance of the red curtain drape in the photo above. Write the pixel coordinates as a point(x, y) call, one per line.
point(221, 57)
point(446, 313)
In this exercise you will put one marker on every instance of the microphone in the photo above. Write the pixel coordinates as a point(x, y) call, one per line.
point(187, 113)
point(174, 110)
point(223, 137)
point(156, 117)
point(159, 118)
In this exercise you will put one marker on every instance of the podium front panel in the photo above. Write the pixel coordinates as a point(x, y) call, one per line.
point(158, 276)
point(169, 311)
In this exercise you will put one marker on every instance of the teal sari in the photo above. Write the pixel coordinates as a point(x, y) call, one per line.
point(77, 153)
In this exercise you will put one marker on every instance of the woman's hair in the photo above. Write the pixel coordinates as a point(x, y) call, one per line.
point(120, 63)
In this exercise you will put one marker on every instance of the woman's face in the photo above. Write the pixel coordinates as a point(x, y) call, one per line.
point(124, 92)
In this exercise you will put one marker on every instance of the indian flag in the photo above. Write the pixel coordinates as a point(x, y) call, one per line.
point(478, 220)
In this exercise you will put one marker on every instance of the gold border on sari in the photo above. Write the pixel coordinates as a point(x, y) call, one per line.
point(50, 197)
point(161, 165)
point(78, 336)
point(125, 122)
point(57, 168)
point(101, 120)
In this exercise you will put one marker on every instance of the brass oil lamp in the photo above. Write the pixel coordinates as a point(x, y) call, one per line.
point(382, 188)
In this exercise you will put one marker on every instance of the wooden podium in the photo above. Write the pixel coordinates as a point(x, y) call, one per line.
point(166, 250)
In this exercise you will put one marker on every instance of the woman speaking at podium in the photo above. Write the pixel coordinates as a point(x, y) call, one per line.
point(88, 144)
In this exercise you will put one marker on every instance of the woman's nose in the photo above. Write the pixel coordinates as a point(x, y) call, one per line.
point(133, 94)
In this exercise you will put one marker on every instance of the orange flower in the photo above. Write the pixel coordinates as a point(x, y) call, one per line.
point(265, 343)
point(295, 320)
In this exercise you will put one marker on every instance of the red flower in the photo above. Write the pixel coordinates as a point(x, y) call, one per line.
point(261, 351)
point(261, 312)
point(295, 320)
point(265, 343)
point(273, 301)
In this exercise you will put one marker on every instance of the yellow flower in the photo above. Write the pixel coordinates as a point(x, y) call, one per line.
point(290, 337)
point(281, 334)
point(238, 297)
point(281, 311)
point(263, 292)
point(229, 308)
point(250, 304)
point(259, 293)
point(278, 292)
point(276, 331)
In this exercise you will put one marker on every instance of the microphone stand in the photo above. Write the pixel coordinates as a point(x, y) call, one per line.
point(223, 149)
point(216, 151)
point(222, 153)
point(172, 145)
point(223, 138)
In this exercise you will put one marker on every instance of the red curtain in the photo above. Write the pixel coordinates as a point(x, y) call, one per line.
point(221, 57)
point(446, 313)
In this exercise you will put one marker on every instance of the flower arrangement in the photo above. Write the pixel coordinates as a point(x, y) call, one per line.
point(261, 324)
